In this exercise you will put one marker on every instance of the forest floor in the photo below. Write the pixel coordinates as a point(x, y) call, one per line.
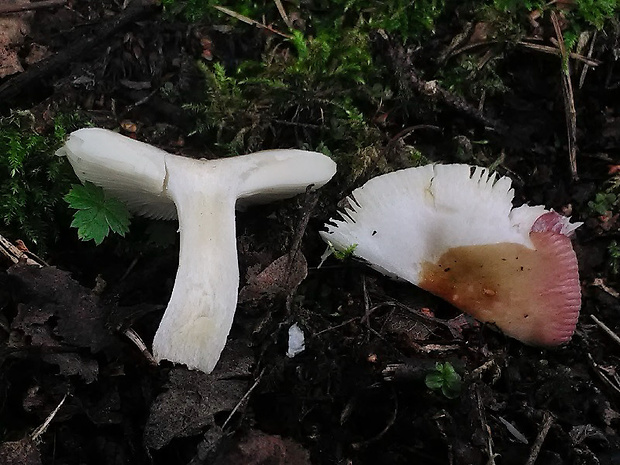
point(75, 389)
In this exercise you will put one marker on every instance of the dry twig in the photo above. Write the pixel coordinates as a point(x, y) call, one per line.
point(139, 343)
point(588, 61)
point(402, 63)
point(250, 21)
point(608, 376)
point(586, 66)
point(569, 100)
point(542, 434)
point(600, 283)
point(282, 12)
point(606, 328)
point(36, 434)
point(485, 427)
point(14, 254)
point(244, 398)
point(380, 434)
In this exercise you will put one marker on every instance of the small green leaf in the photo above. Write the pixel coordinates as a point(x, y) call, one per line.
point(434, 381)
point(444, 378)
point(85, 196)
point(343, 254)
point(451, 392)
point(96, 213)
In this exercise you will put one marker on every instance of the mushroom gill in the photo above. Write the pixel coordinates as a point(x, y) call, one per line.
point(452, 230)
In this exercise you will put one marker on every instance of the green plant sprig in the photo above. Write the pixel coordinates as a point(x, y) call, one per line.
point(97, 214)
point(444, 378)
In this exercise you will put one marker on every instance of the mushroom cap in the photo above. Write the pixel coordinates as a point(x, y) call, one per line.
point(452, 230)
point(282, 173)
point(131, 171)
point(136, 172)
point(203, 195)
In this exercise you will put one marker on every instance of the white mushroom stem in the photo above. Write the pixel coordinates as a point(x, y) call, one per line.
point(200, 313)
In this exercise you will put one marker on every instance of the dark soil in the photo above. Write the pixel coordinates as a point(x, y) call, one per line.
point(356, 394)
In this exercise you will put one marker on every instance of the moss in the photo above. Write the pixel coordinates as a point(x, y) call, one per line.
point(597, 12)
point(312, 89)
point(470, 77)
point(409, 19)
point(513, 6)
point(585, 13)
point(32, 179)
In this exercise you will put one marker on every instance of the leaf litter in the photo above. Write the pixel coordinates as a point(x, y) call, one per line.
point(193, 398)
point(13, 30)
point(65, 325)
point(353, 333)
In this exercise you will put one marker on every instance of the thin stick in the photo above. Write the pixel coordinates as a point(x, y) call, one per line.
point(15, 255)
point(569, 101)
point(555, 51)
point(137, 340)
point(41, 429)
point(585, 69)
point(609, 381)
point(531, 45)
point(405, 132)
point(406, 73)
point(606, 328)
point(485, 427)
point(282, 12)
point(250, 21)
point(26, 6)
point(244, 398)
point(366, 317)
point(598, 282)
point(388, 425)
point(547, 422)
point(331, 328)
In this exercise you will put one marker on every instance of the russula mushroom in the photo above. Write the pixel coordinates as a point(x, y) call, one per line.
point(452, 230)
point(203, 195)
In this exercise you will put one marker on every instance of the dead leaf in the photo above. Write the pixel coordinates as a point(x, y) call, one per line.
point(56, 310)
point(409, 329)
point(105, 409)
point(482, 32)
point(192, 398)
point(37, 53)
point(30, 328)
point(71, 364)
point(581, 433)
point(13, 29)
point(258, 448)
point(281, 277)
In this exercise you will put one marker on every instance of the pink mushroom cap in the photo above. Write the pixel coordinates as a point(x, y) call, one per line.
point(452, 230)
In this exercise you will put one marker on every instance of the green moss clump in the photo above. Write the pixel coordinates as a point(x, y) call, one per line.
point(409, 19)
point(314, 88)
point(32, 179)
point(584, 12)
point(597, 12)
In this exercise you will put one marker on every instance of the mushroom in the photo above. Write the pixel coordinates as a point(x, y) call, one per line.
point(203, 194)
point(452, 230)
